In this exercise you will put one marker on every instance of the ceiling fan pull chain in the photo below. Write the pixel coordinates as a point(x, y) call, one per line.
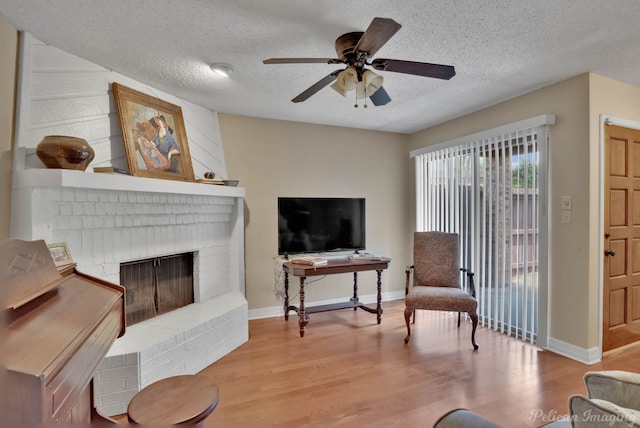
point(356, 94)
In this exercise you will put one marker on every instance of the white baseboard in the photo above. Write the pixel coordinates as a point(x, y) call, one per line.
point(278, 311)
point(586, 356)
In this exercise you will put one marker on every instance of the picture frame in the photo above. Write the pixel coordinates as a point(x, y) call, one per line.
point(153, 134)
point(60, 254)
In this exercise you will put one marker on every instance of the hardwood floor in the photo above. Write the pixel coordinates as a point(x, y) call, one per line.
point(348, 371)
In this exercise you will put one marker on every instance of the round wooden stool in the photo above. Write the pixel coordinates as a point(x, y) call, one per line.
point(177, 400)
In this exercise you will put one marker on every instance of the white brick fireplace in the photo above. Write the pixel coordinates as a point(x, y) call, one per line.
point(109, 219)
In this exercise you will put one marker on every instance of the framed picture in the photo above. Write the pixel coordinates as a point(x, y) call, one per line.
point(60, 254)
point(154, 136)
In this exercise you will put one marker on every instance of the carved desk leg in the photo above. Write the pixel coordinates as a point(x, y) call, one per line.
point(286, 295)
point(379, 305)
point(303, 316)
point(355, 290)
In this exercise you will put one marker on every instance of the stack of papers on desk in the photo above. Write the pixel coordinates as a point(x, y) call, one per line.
point(309, 260)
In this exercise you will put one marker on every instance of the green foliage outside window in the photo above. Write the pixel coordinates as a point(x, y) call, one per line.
point(525, 171)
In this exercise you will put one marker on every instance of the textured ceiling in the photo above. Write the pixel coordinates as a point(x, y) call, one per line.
point(500, 49)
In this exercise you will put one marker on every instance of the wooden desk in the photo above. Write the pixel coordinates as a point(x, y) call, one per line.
point(334, 266)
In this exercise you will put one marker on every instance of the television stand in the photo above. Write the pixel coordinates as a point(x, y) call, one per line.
point(333, 266)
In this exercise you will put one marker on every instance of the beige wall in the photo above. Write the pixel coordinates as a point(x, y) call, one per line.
point(8, 53)
point(569, 270)
point(277, 158)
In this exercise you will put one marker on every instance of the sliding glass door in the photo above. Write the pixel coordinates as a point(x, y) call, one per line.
point(489, 192)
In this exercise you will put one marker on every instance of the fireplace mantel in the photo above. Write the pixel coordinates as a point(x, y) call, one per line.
point(88, 180)
point(110, 218)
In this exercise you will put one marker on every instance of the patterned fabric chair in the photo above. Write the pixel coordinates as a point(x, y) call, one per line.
point(436, 280)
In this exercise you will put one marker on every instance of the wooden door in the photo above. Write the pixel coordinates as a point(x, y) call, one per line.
point(621, 294)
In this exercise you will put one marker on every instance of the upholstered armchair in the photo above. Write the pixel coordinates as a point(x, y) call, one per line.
point(613, 402)
point(436, 280)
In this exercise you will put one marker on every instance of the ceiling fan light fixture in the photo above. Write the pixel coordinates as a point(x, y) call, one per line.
point(222, 69)
point(345, 81)
point(339, 88)
point(370, 83)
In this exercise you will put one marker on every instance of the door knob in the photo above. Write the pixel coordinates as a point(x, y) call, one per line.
point(609, 253)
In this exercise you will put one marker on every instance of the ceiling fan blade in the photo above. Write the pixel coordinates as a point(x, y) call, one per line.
point(316, 87)
point(379, 32)
point(380, 97)
point(302, 61)
point(418, 68)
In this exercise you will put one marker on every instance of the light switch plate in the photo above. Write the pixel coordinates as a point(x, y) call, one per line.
point(566, 217)
point(566, 203)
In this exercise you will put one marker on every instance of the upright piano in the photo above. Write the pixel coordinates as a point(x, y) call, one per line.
point(57, 327)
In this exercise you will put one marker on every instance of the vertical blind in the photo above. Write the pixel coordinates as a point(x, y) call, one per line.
point(491, 191)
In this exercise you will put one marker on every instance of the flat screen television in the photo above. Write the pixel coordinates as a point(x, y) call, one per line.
point(315, 225)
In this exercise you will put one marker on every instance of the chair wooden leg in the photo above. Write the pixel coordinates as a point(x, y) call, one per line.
point(474, 321)
point(407, 319)
point(414, 316)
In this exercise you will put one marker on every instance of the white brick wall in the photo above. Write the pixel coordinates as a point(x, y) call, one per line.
point(134, 219)
point(116, 381)
point(184, 341)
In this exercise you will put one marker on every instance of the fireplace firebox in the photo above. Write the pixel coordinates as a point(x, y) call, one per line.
point(156, 286)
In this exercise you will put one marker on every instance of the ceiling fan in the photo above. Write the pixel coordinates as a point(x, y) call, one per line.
point(355, 50)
